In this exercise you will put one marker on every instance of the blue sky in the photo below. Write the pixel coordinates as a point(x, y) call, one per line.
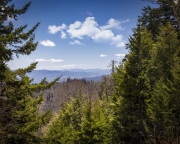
point(82, 34)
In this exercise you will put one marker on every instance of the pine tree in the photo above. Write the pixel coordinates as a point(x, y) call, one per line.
point(94, 128)
point(163, 109)
point(154, 18)
point(19, 120)
point(133, 89)
point(66, 125)
point(171, 6)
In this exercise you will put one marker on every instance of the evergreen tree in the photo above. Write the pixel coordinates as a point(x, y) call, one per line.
point(19, 120)
point(66, 125)
point(81, 121)
point(163, 109)
point(133, 89)
point(172, 5)
point(94, 128)
point(154, 18)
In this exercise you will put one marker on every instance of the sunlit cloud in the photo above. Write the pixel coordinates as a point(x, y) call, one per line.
point(53, 29)
point(80, 30)
point(113, 23)
point(107, 36)
point(47, 43)
point(76, 42)
point(100, 34)
point(89, 28)
point(103, 55)
point(63, 35)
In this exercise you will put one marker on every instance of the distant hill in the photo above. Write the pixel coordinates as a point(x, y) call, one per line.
point(89, 74)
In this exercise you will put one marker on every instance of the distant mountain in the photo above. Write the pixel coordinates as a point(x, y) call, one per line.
point(89, 74)
point(97, 78)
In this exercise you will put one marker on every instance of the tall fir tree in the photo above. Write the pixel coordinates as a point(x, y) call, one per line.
point(66, 125)
point(19, 120)
point(133, 89)
point(163, 109)
point(154, 18)
point(94, 128)
point(172, 6)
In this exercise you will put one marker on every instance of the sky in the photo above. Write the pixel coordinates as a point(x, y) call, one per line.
point(78, 34)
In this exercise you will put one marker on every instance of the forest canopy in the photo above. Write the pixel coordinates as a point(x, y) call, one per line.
point(138, 103)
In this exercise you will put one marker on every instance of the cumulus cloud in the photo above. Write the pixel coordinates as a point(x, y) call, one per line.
point(76, 42)
point(112, 23)
point(103, 55)
point(120, 55)
point(52, 29)
point(63, 35)
point(107, 36)
point(47, 43)
point(88, 28)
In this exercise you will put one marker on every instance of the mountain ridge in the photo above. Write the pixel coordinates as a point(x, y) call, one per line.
point(88, 74)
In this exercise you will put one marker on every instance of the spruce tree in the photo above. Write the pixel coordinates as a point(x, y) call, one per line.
point(94, 128)
point(19, 120)
point(163, 108)
point(66, 125)
point(173, 6)
point(154, 18)
point(133, 89)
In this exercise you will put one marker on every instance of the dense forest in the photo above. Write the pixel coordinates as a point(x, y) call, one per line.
point(138, 103)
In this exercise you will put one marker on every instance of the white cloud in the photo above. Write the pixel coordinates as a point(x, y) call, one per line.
point(55, 60)
point(103, 55)
point(107, 36)
point(47, 43)
point(124, 21)
point(113, 23)
point(76, 42)
point(88, 28)
point(47, 60)
point(120, 55)
point(63, 26)
point(52, 29)
point(63, 35)
point(74, 26)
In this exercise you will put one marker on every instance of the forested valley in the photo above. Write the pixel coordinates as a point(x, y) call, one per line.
point(138, 103)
